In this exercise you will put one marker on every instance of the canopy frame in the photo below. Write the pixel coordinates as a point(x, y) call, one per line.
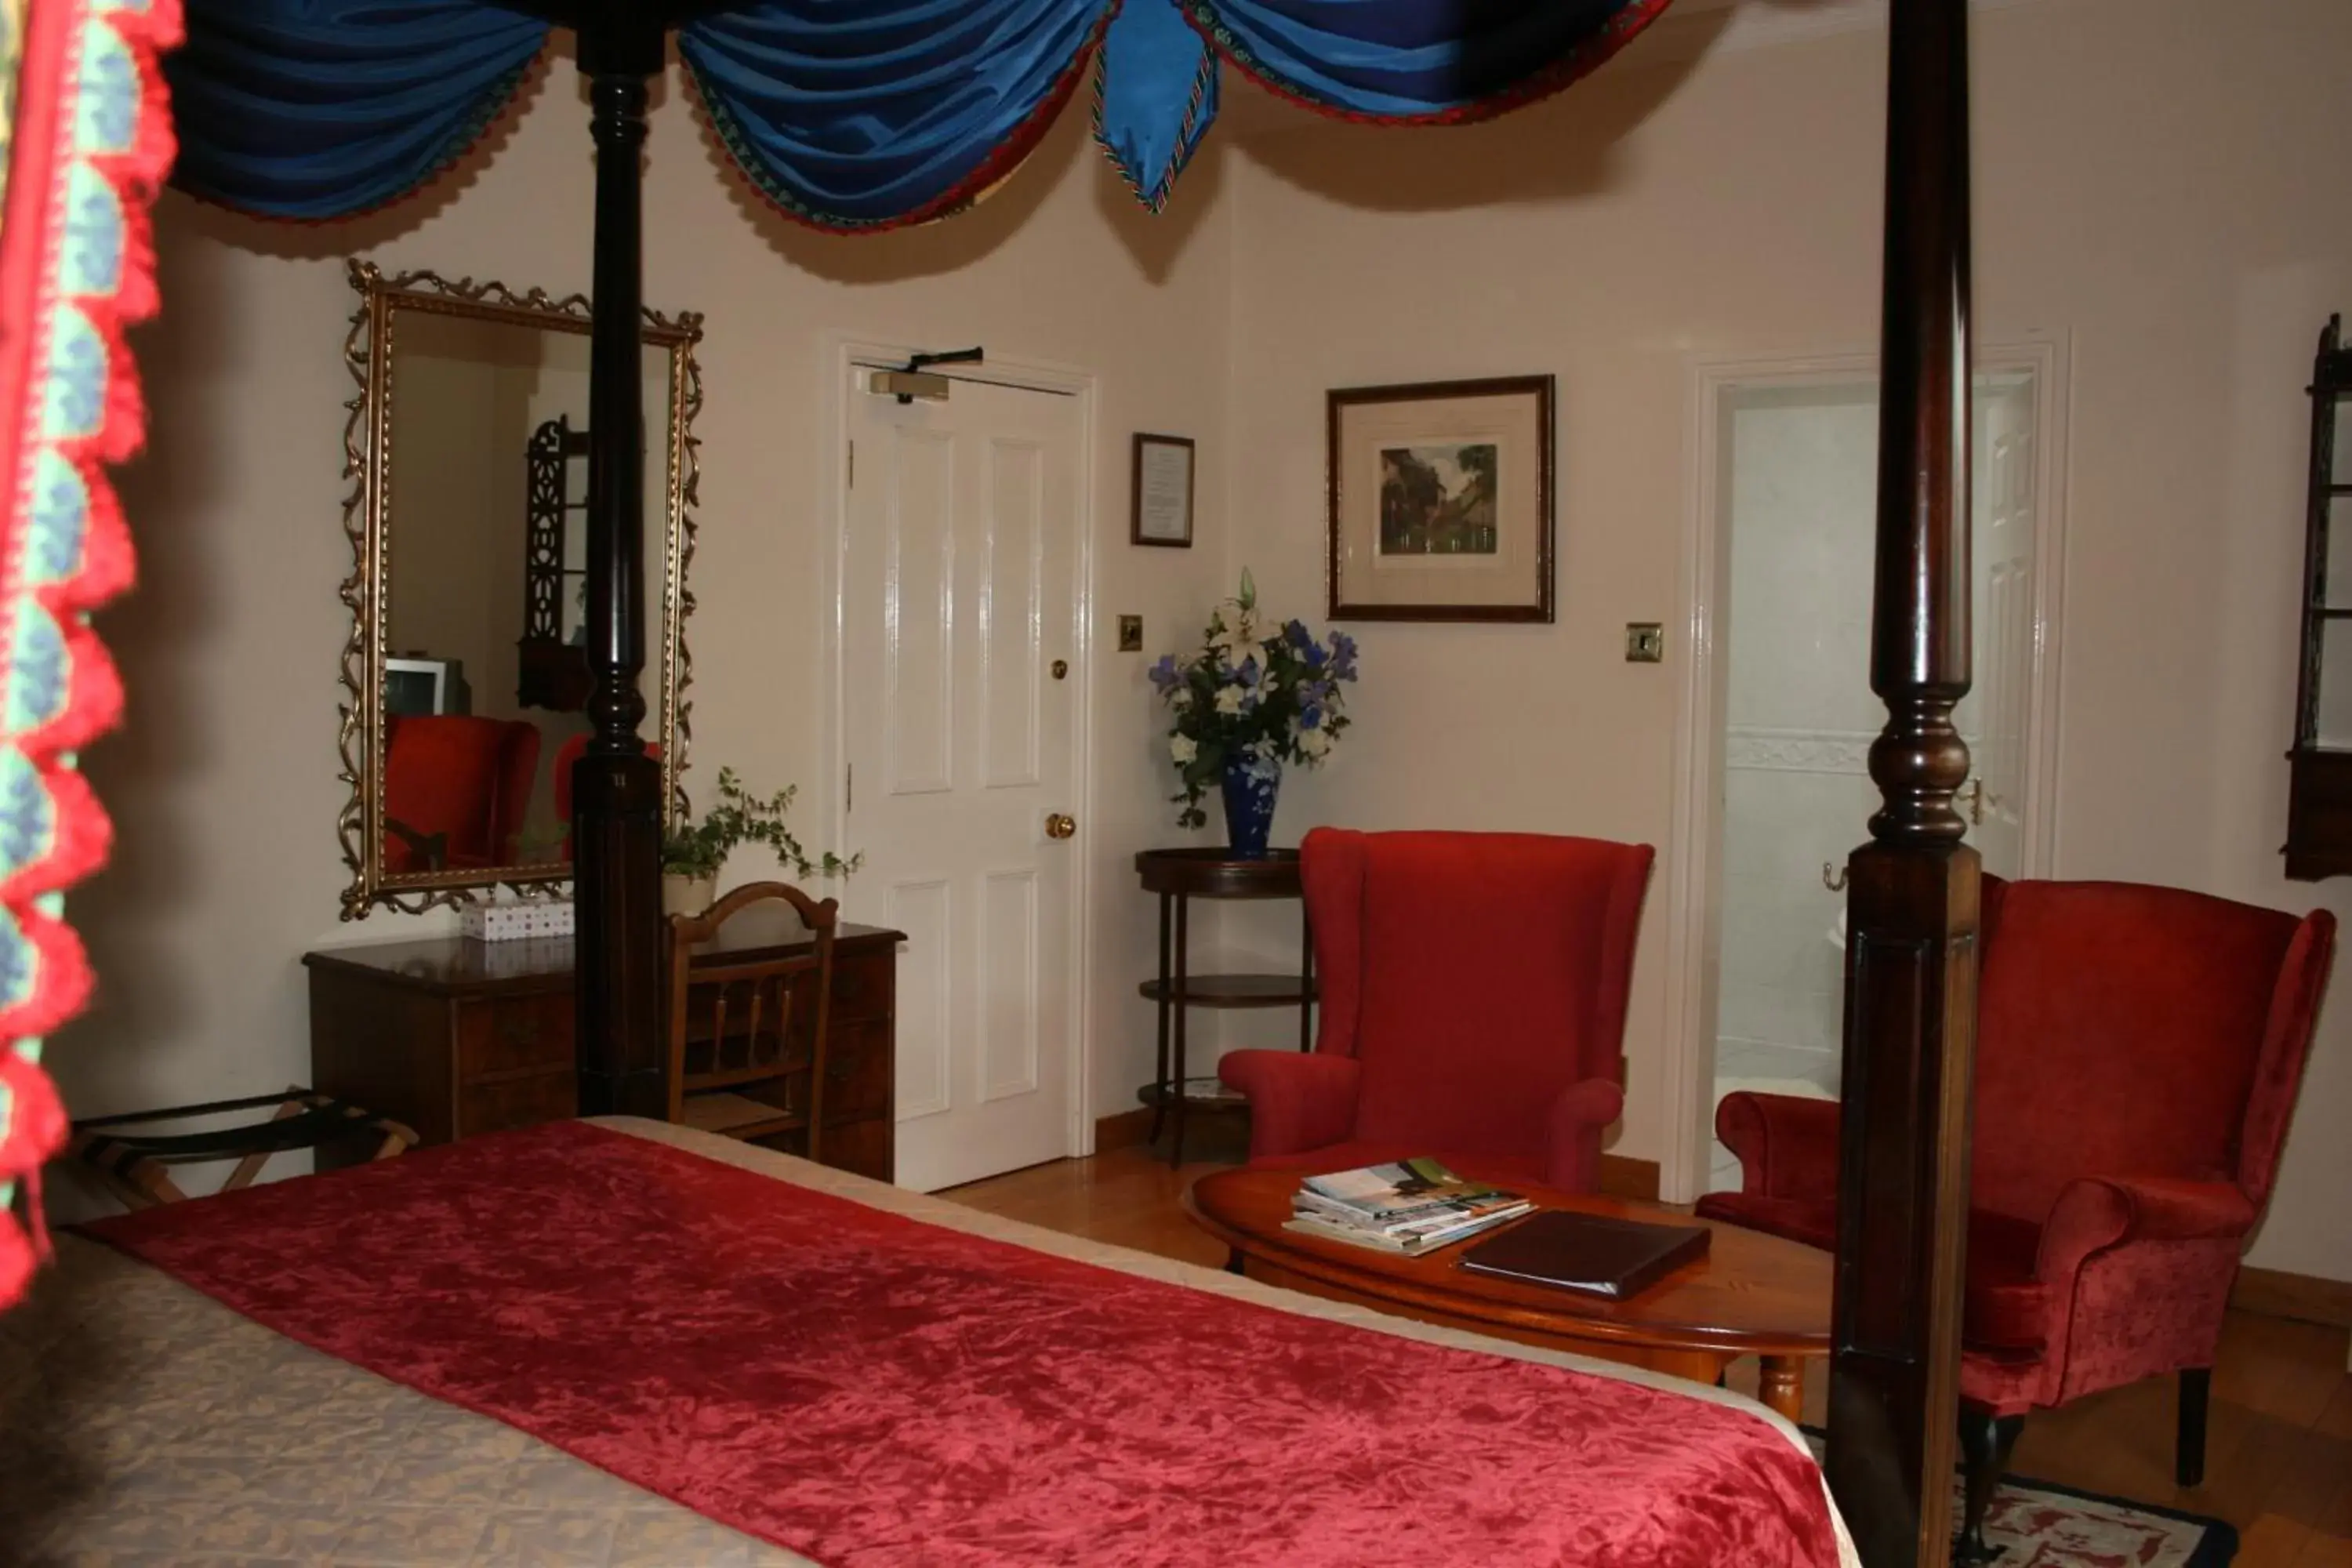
point(1910, 1015)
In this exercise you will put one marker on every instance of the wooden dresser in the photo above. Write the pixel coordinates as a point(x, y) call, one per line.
point(455, 1037)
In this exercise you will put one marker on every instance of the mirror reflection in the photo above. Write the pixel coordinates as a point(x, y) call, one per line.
point(481, 492)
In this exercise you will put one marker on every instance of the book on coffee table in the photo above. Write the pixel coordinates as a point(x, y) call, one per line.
point(1592, 1253)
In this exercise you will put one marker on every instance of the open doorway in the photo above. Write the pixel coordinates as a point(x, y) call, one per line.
point(1777, 748)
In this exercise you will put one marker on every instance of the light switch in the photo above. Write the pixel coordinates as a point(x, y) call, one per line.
point(1130, 634)
point(1645, 642)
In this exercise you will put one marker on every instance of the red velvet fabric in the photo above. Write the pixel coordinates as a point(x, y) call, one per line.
point(468, 778)
point(2137, 1058)
point(1476, 982)
point(868, 1390)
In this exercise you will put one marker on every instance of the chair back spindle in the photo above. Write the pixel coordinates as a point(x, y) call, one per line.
point(737, 1026)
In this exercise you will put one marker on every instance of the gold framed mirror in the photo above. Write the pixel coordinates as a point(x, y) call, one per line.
point(465, 674)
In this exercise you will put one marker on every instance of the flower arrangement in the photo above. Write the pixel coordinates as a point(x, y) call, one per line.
point(698, 849)
point(1251, 699)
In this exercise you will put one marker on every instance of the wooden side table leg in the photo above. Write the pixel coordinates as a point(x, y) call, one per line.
point(1781, 1385)
point(1178, 1000)
point(1159, 1070)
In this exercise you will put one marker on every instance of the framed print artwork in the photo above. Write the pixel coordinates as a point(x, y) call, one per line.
point(1164, 491)
point(1440, 500)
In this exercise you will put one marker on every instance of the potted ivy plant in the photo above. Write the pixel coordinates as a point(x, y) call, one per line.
point(694, 852)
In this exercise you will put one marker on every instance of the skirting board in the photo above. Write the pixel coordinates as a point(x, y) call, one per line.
point(1620, 1177)
point(1123, 1130)
point(2304, 1297)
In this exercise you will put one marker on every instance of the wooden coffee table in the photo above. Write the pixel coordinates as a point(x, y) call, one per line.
point(1752, 1295)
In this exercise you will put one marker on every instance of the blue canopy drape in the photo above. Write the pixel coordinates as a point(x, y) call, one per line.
point(848, 114)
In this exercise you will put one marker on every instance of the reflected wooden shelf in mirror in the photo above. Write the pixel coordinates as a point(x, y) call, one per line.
point(466, 673)
point(552, 653)
point(2319, 795)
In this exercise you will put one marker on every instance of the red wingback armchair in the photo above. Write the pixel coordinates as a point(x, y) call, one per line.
point(1472, 994)
point(2138, 1051)
point(456, 787)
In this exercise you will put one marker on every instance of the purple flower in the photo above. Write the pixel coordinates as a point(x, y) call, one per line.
point(1248, 672)
point(1164, 674)
point(1310, 717)
point(1300, 637)
point(1343, 656)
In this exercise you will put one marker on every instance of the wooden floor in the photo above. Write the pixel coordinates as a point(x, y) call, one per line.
point(2279, 1454)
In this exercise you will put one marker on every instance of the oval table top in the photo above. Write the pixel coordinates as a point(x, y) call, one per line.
point(1752, 1294)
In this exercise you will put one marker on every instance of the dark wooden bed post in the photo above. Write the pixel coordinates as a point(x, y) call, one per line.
point(616, 813)
point(1911, 965)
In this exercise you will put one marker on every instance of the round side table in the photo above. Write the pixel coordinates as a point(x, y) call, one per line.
point(1179, 876)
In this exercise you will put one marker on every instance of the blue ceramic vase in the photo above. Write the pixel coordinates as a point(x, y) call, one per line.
point(1250, 786)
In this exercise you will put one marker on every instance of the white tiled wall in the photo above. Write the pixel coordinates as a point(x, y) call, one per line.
point(1796, 787)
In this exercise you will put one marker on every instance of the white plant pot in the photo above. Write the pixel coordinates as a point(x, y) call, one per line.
point(687, 895)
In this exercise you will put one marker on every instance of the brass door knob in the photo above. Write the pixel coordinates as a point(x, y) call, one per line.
point(1057, 826)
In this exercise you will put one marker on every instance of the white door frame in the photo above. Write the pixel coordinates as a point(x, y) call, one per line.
point(845, 352)
point(1696, 834)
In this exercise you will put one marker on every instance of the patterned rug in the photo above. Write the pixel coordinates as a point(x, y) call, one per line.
point(2043, 1525)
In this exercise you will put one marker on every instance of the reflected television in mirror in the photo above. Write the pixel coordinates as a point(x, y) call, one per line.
point(415, 684)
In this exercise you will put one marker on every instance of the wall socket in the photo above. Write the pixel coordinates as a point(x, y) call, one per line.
point(1645, 642)
point(1130, 634)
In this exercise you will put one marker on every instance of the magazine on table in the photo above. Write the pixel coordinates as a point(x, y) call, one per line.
point(1410, 1242)
point(1405, 1205)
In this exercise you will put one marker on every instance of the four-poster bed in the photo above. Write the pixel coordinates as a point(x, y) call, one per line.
point(1910, 1002)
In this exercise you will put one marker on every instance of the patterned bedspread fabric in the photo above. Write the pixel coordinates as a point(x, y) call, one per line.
point(974, 1403)
point(86, 141)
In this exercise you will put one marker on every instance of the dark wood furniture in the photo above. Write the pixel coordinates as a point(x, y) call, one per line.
point(455, 1037)
point(1179, 876)
point(727, 1074)
point(1911, 964)
point(2319, 792)
point(551, 669)
point(1752, 1294)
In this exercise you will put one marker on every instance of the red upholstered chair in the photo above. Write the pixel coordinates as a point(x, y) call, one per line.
point(2138, 1051)
point(455, 790)
point(1473, 1004)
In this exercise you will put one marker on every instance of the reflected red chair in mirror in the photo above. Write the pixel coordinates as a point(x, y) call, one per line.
point(2138, 1051)
point(1472, 992)
point(456, 789)
point(566, 755)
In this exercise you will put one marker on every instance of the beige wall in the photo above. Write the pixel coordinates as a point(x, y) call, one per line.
point(2154, 182)
point(223, 784)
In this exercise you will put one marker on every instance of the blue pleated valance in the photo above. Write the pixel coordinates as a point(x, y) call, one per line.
point(848, 114)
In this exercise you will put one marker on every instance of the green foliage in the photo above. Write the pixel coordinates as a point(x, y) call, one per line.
point(700, 848)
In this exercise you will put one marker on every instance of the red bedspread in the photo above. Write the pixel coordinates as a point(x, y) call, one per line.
point(866, 1389)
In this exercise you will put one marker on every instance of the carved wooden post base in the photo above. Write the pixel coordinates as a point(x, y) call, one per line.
point(1910, 1032)
point(624, 1059)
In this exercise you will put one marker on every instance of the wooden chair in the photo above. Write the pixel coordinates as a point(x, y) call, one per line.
point(747, 1037)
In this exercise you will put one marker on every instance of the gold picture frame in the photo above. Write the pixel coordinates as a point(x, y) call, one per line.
point(367, 448)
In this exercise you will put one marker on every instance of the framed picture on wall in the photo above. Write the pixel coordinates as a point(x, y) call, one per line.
point(1440, 500)
point(1164, 491)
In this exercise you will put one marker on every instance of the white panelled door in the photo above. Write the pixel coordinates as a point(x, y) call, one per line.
point(1997, 716)
point(961, 599)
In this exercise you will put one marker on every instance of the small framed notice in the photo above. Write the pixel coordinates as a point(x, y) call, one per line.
point(1164, 491)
